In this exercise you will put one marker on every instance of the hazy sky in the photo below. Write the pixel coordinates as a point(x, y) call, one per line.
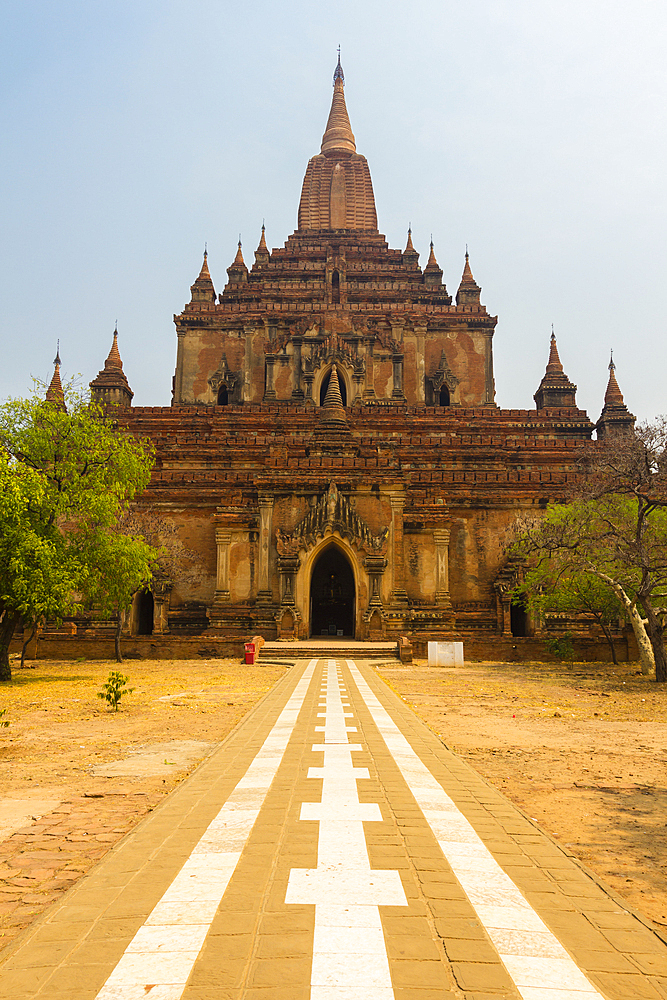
point(134, 131)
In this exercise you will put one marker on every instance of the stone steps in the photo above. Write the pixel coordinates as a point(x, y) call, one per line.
point(333, 648)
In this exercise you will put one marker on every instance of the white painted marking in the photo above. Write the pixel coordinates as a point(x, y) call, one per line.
point(160, 957)
point(349, 953)
point(536, 961)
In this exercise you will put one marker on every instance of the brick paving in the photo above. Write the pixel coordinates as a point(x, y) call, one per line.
point(331, 849)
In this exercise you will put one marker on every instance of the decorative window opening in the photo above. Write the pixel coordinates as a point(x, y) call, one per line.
point(335, 287)
point(325, 386)
point(223, 396)
point(444, 399)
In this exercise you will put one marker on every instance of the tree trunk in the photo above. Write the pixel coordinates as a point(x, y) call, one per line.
point(7, 626)
point(26, 642)
point(119, 625)
point(646, 657)
point(610, 640)
point(656, 633)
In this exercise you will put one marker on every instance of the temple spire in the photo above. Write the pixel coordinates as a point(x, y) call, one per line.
point(111, 385)
point(237, 270)
point(615, 418)
point(469, 291)
point(337, 191)
point(554, 363)
point(262, 251)
point(55, 393)
point(410, 255)
point(203, 290)
point(555, 389)
point(432, 271)
point(613, 395)
point(338, 139)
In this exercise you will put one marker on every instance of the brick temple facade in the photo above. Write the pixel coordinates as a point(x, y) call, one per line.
point(333, 459)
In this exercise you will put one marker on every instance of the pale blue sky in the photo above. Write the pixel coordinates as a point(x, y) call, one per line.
point(134, 132)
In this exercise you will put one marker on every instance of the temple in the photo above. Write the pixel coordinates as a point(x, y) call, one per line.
point(334, 461)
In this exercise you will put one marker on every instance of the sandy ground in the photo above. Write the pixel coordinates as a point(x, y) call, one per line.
point(76, 776)
point(582, 749)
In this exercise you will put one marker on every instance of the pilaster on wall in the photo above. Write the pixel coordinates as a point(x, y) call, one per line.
point(398, 592)
point(441, 538)
point(223, 538)
point(490, 387)
point(178, 377)
point(265, 501)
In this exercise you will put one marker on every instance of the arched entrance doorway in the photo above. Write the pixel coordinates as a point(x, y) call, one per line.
point(145, 609)
point(332, 595)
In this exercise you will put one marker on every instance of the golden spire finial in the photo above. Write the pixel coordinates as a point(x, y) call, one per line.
point(338, 139)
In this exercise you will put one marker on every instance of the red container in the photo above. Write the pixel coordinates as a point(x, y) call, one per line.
point(249, 652)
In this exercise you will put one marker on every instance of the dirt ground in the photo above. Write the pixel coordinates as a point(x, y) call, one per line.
point(582, 749)
point(76, 776)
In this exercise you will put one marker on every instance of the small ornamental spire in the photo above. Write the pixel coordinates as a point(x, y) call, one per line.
point(432, 262)
point(111, 385)
point(555, 389)
point(469, 291)
point(203, 290)
point(554, 364)
point(432, 271)
point(615, 418)
point(238, 260)
point(262, 251)
point(410, 255)
point(55, 394)
point(237, 270)
point(338, 138)
point(613, 396)
point(332, 410)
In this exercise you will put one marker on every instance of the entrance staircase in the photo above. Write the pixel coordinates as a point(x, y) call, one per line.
point(333, 648)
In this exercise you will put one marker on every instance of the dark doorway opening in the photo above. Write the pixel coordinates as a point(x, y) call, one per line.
point(444, 396)
point(335, 287)
point(332, 595)
point(145, 613)
point(223, 396)
point(518, 619)
point(325, 386)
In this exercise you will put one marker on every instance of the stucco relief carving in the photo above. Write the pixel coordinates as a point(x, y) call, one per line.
point(223, 376)
point(443, 375)
point(332, 512)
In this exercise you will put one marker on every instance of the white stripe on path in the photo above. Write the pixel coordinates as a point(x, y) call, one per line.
point(349, 952)
point(534, 958)
point(159, 959)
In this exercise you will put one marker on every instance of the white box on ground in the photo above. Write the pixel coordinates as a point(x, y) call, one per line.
point(445, 654)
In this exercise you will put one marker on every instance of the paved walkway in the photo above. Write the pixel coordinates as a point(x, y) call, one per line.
point(332, 848)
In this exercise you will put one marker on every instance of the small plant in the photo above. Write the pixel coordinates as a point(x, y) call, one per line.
point(114, 688)
point(560, 646)
point(3, 722)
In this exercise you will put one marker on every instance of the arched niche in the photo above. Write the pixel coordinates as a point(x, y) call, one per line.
point(324, 385)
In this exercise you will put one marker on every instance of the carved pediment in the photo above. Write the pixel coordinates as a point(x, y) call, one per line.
point(332, 512)
point(443, 375)
point(222, 376)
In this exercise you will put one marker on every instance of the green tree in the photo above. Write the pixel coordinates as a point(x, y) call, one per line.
point(119, 564)
point(622, 542)
point(66, 477)
point(550, 588)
